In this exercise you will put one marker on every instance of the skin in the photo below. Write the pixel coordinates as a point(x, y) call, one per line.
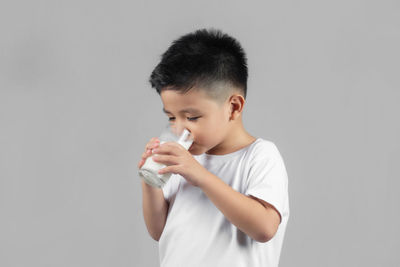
point(218, 130)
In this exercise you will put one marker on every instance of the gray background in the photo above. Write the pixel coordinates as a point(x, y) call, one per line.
point(76, 111)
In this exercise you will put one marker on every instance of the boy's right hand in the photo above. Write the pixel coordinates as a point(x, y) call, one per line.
point(153, 143)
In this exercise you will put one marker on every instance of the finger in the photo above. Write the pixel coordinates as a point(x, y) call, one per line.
point(165, 159)
point(154, 139)
point(173, 145)
point(167, 149)
point(146, 154)
point(152, 145)
point(168, 169)
point(140, 164)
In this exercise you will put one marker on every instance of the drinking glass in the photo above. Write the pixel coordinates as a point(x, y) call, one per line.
point(149, 171)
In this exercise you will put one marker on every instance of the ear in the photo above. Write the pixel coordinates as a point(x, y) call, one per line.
point(236, 103)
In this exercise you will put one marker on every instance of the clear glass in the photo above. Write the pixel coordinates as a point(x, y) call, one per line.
point(149, 171)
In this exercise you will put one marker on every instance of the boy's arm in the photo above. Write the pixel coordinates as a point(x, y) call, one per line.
point(155, 210)
point(253, 216)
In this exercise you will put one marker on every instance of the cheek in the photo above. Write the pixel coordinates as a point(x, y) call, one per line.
point(210, 132)
point(201, 133)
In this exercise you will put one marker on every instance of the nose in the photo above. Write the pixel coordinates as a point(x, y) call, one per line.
point(178, 128)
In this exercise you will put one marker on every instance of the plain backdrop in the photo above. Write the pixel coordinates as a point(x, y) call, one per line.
point(76, 111)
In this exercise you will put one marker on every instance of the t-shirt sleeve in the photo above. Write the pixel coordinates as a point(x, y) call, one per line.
point(267, 177)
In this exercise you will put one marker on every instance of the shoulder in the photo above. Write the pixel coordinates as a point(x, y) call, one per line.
point(264, 154)
point(266, 162)
point(263, 148)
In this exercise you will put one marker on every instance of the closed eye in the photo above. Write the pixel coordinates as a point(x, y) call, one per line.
point(191, 119)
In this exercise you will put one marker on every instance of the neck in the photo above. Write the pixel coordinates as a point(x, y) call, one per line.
point(237, 139)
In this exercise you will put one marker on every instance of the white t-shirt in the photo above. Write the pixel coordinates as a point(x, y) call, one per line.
point(197, 233)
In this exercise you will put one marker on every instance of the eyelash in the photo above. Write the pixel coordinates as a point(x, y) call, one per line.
point(191, 119)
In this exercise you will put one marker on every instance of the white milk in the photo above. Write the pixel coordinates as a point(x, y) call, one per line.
point(149, 170)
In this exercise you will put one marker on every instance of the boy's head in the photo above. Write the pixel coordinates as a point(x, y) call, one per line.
point(206, 59)
point(205, 70)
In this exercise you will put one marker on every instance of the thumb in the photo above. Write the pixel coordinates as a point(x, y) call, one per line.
point(140, 164)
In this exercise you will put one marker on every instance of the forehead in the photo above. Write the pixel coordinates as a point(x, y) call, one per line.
point(190, 102)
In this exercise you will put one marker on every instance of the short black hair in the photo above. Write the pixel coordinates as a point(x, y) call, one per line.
point(207, 59)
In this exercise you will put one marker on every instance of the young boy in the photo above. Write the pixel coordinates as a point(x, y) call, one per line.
point(226, 203)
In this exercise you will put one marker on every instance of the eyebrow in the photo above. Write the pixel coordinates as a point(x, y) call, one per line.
point(186, 110)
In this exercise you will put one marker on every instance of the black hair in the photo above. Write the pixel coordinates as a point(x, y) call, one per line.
point(207, 59)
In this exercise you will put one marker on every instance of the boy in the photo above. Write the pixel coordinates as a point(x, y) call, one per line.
point(226, 203)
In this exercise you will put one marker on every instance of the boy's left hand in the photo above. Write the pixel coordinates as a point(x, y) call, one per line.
point(179, 161)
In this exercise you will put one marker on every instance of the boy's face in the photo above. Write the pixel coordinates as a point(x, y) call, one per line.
point(207, 121)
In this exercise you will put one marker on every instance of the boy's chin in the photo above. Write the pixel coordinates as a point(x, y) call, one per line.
point(194, 151)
